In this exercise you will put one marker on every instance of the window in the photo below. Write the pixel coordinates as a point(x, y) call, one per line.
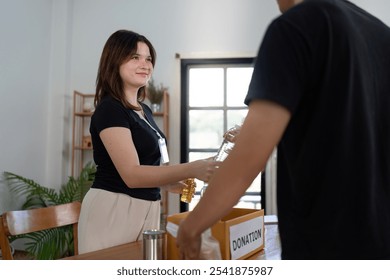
point(212, 101)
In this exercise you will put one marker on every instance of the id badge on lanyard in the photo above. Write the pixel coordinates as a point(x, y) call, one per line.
point(161, 144)
point(163, 151)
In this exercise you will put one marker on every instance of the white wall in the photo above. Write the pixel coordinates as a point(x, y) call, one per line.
point(24, 71)
point(48, 48)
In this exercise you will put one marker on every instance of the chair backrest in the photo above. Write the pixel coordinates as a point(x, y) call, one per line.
point(27, 221)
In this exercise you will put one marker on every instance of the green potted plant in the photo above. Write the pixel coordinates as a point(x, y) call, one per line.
point(53, 243)
point(155, 94)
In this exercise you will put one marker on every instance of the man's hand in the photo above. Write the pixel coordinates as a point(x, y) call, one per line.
point(188, 243)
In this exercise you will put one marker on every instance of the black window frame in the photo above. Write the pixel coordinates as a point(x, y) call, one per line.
point(185, 65)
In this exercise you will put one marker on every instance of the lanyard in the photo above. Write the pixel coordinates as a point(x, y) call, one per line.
point(161, 143)
point(155, 130)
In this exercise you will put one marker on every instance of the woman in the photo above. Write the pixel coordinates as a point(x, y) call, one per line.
point(129, 150)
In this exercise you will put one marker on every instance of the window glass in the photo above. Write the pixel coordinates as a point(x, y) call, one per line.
point(206, 87)
point(206, 129)
point(235, 117)
point(237, 80)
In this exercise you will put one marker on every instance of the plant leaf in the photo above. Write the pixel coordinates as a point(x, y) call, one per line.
point(36, 194)
point(57, 242)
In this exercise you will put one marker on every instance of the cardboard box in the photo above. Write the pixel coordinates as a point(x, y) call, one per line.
point(240, 233)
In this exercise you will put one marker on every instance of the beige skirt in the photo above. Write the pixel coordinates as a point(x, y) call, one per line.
point(108, 219)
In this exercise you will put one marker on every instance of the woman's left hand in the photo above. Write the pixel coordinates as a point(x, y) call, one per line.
point(176, 187)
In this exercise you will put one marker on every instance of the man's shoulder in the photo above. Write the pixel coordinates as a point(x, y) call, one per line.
point(309, 15)
point(314, 8)
point(317, 14)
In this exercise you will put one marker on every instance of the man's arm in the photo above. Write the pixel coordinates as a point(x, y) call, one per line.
point(260, 133)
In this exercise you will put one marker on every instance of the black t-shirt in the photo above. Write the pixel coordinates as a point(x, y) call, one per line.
point(328, 63)
point(111, 113)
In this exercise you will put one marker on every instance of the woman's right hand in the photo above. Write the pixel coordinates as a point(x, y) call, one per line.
point(203, 169)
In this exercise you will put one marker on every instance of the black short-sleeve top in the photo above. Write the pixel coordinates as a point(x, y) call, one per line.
point(111, 113)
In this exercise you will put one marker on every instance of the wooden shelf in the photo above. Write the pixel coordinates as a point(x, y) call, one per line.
point(81, 120)
point(83, 114)
point(82, 148)
point(164, 114)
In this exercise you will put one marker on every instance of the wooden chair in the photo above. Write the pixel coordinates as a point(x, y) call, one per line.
point(27, 221)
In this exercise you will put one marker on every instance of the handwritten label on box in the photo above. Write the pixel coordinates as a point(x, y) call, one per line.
point(246, 237)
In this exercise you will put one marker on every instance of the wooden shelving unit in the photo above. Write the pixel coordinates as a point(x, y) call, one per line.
point(164, 114)
point(81, 141)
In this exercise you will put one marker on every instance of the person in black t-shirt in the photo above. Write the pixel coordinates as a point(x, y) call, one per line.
point(320, 92)
point(129, 150)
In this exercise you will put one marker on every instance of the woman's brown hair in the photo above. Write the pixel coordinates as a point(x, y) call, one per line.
point(119, 48)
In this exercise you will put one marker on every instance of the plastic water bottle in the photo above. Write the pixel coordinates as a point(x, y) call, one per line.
point(227, 143)
point(225, 148)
